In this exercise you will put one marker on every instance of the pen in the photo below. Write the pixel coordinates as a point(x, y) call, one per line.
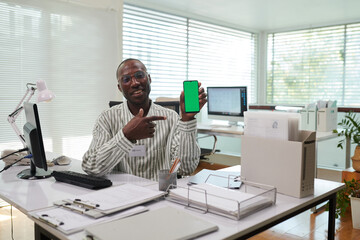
point(175, 165)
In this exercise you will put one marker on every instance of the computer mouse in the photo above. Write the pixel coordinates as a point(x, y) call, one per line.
point(62, 160)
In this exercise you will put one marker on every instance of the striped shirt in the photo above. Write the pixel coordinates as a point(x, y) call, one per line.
point(173, 138)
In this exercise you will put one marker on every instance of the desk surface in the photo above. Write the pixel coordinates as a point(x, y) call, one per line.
point(237, 131)
point(231, 131)
point(27, 195)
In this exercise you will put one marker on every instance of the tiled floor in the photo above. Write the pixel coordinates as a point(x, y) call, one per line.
point(310, 226)
point(23, 227)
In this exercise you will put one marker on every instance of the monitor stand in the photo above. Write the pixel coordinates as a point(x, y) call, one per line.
point(34, 173)
point(227, 124)
point(220, 125)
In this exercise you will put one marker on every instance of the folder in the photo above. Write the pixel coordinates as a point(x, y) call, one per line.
point(161, 224)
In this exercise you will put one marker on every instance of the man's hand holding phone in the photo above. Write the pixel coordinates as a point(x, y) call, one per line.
point(192, 99)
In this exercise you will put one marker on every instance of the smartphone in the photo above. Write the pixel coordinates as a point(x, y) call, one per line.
point(191, 96)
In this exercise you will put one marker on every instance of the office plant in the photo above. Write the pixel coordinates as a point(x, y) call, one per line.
point(350, 195)
point(350, 125)
point(352, 189)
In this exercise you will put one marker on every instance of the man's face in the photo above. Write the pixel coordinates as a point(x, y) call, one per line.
point(134, 82)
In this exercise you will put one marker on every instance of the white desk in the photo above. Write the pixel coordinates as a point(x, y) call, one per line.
point(323, 136)
point(231, 131)
point(237, 131)
point(27, 195)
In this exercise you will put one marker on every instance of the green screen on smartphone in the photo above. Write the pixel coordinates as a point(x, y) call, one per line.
point(191, 96)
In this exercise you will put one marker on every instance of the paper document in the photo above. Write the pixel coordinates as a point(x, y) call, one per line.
point(110, 200)
point(123, 196)
point(70, 222)
point(275, 125)
point(219, 178)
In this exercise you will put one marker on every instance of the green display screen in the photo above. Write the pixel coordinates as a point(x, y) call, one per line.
point(191, 96)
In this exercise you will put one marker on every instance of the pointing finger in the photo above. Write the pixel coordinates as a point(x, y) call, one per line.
point(155, 118)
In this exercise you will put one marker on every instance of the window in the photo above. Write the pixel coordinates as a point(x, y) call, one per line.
point(314, 64)
point(175, 49)
point(73, 48)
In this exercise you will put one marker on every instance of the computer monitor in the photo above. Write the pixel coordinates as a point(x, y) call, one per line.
point(34, 141)
point(227, 103)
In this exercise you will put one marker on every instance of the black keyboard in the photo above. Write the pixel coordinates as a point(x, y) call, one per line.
point(81, 179)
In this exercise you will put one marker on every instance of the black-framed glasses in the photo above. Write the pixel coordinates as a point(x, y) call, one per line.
point(139, 75)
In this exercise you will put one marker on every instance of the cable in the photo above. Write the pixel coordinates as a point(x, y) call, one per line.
point(21, 150)
point(8, 166)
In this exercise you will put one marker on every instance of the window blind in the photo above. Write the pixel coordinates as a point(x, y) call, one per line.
point(314, 64)
point(72, 48)
point(351, 96)
point(220, 56)
point(175, 49)
point(159, 40)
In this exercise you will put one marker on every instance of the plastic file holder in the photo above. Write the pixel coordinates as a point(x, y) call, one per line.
point(234, 204)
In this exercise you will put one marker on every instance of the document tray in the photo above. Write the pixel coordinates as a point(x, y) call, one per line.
point(235, 204)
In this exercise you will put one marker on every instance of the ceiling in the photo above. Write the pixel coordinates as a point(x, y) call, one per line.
point(262, 15)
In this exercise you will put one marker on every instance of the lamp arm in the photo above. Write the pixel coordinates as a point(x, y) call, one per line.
point(19, 108)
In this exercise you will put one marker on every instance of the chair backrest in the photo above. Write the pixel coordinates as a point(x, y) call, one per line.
point(174, 105)
point(171, 103)
point(113, 103)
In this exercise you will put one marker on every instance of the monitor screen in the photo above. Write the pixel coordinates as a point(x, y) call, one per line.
point(227, 103)
point(34, 141)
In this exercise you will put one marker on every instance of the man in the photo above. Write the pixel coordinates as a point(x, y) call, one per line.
point(140, 137)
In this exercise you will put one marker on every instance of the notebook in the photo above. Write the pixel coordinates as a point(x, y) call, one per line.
point(165, 223)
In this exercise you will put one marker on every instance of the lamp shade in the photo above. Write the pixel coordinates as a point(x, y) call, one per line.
point(44, 93)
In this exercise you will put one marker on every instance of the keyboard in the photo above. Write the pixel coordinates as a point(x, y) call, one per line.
point(81, 179)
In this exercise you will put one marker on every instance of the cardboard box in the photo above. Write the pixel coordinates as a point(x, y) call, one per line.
point(308, 119)
point(326, 119)
point(287, 165)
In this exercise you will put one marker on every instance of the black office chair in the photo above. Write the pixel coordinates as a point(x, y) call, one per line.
point(174, 105)
point(113, 103)
point(205, 152)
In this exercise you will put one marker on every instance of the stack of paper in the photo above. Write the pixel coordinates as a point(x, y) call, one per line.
point(276, 125)
point(227, 202)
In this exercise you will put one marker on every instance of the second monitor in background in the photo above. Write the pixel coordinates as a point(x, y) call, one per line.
point(227, 103)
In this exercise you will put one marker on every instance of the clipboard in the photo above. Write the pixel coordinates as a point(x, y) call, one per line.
point(103, 202)
point(70, 222)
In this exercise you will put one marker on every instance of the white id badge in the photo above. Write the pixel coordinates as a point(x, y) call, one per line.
point(137, 151)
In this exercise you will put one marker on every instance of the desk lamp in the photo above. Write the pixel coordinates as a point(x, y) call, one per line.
point(43, 95)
